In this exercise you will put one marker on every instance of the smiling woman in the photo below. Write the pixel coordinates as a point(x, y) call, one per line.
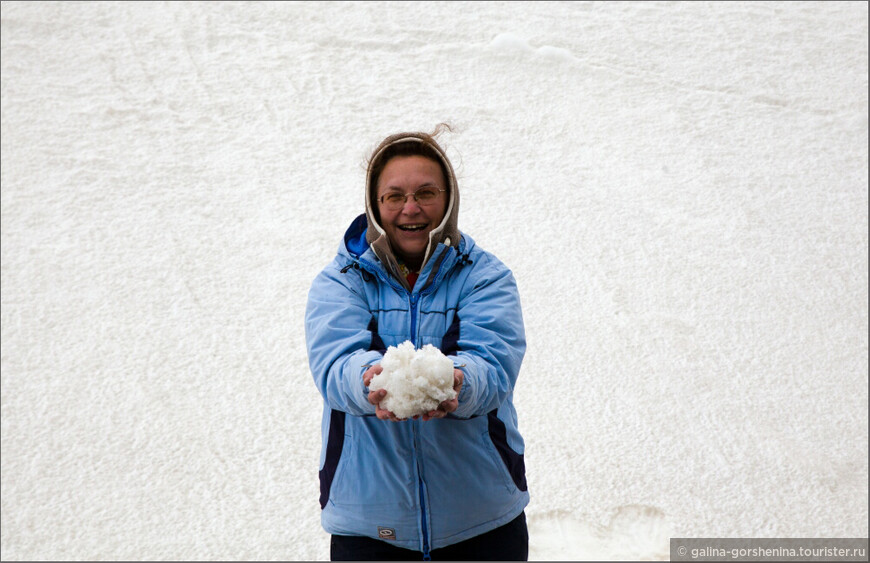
point(405, 164)
point(449, 483)
point(409, 220)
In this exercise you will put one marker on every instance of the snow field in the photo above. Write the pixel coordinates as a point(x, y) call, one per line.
point(679, 188)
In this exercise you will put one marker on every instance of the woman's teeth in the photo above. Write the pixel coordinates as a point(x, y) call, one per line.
point(412, 227)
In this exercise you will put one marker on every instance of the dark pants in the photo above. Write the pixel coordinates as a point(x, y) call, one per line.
point(507, 543)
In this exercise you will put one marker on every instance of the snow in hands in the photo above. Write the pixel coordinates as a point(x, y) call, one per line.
point(416, 381)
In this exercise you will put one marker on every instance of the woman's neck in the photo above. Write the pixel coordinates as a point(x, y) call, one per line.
point(410, 266)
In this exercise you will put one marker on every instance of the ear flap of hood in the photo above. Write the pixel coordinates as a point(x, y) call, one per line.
point(447, 232)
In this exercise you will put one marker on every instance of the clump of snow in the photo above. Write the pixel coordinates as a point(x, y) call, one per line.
point(509, 42)
point(555, 53)
point(416, 381)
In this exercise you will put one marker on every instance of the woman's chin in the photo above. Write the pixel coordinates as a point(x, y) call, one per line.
point(412, 247)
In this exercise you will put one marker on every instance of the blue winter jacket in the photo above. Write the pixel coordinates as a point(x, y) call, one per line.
point(419, 485)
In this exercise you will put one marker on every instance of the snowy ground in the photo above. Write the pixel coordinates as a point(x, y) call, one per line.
point(680, 188)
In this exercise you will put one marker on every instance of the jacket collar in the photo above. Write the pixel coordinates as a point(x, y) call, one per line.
point(357, 247)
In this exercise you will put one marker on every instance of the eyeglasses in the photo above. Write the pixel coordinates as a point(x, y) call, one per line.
point(394, 201)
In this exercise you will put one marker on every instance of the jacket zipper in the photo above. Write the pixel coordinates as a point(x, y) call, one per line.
point(422, 489)
point(414, 299)
point(426, 557)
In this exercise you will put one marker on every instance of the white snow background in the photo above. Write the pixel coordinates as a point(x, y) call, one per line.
point(680, 189)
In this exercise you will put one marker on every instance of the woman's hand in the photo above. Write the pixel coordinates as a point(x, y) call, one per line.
point(448, 407)
point(445, 408)
point(375, 397)
point(370, 374)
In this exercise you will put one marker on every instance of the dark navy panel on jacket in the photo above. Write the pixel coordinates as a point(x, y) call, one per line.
point(377, 344)
point(514, 462)
point(450, 342)
point(334, 445)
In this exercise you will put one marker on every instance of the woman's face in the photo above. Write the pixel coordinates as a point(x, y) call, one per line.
point(409, 226)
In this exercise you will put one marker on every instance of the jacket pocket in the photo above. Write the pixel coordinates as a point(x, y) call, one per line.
point(512, 464)
point(494, 456)
point(334, 447)
point(372, 473)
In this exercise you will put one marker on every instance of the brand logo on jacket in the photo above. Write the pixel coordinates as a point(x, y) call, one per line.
point(386, 533)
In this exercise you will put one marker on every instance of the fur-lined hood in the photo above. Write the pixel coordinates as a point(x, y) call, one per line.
point(447, 232)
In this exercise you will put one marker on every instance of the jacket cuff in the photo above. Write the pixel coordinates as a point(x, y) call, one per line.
point(465, 409)
point(368, 358)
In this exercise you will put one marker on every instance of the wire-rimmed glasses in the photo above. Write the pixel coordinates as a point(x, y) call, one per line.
point(394, 201)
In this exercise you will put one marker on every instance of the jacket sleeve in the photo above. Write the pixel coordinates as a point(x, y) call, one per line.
point(492, 339)
point(337, 318)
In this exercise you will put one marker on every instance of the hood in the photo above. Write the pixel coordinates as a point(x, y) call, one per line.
point(447, 232)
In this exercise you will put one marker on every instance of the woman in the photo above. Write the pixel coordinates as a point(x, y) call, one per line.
point(451, 483)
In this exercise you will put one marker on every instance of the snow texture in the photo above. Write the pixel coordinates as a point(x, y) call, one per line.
point(416, 381)
point(680, 189)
